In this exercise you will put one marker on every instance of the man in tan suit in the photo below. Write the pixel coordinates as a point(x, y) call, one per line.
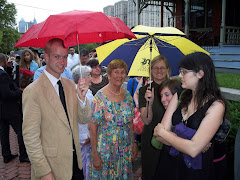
point(50, 134)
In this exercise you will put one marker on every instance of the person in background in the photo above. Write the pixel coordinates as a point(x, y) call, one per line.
point(16, 62)
point(73, 58)
point(152, 112)
point(84, 56)
point(132, 85)
point(10, 114)
point(35, 56)
point(27, 62)
point(98, 81)
point(42, 59)
point(84, 134)
point(111, 128)
point(93, 51)
point(194, 122)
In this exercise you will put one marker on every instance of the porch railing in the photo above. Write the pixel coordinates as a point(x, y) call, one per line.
point(232, 35)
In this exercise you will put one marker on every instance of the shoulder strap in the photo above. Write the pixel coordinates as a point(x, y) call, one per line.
point(133, 86)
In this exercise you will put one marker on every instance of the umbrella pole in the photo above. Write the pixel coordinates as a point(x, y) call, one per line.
point(150, 72)
point(79, 57)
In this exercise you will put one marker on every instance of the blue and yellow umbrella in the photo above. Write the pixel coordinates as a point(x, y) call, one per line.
point(151, 41)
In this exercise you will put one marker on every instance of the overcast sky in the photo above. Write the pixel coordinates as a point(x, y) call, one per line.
point(41, 9)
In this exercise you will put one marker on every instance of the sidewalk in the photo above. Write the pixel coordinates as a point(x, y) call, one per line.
point(14, 169)
point(22, 171)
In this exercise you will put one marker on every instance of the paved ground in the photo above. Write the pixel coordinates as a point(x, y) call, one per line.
point(22, 171)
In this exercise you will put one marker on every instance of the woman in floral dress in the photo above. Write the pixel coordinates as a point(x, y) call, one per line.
point(111, 128)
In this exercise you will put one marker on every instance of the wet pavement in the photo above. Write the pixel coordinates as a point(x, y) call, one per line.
point(22, 171)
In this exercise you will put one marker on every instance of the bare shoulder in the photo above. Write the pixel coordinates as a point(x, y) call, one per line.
point(217, 106)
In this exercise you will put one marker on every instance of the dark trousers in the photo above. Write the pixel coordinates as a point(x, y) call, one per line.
point(16, 124)
point(77, 173)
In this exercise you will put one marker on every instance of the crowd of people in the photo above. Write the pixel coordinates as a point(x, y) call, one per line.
point(73, 122)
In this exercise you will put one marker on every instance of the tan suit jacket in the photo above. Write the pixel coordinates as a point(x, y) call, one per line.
point(46, 131)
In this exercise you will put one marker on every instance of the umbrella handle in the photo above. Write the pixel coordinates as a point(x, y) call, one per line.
point(147, 108)
point(79, 55)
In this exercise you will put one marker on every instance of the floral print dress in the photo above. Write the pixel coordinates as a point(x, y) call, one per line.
point(114, 137)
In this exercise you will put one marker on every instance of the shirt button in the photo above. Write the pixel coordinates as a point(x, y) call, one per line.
point(69, 133)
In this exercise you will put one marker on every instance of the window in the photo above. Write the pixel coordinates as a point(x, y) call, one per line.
point(200, 14)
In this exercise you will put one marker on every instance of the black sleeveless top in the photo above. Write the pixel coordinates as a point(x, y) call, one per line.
point(194, 122)
point(195, 119)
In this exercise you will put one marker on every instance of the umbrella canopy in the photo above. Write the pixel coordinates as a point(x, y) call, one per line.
point(169, 42)
point(75, 27)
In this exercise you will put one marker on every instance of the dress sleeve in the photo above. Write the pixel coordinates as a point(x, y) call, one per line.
point(97, 110)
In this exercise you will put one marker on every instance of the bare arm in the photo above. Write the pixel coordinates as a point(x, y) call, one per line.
point(97, 162)
point(136, 93)
point(202, 137)
point(135, 98)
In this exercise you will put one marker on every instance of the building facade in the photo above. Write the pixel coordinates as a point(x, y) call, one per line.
point(120, 10)
point(24, 26)
point(150, 16)
point(109, 10)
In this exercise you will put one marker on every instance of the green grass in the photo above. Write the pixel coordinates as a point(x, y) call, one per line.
point(228, 80)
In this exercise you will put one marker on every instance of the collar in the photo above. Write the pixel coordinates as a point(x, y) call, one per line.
point(1, 68)
point(52, 79)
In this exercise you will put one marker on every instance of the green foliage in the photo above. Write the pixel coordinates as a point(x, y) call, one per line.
point(233, 114)
point(8, 34)
point(89, 47)
point(7, 14)
point(228, 80)
point(9, 38)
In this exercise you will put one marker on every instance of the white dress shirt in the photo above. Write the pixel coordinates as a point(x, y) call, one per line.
point(54, 81)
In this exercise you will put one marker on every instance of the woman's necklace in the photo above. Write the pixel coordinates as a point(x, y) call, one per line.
point(116, 94)
point(97, 80)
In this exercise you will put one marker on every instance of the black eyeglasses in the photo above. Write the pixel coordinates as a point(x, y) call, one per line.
point(183, 72)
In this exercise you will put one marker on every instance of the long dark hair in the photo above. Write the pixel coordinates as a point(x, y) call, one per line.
point(207, 87)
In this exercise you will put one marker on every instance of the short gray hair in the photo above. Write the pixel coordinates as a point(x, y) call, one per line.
point(76, 72)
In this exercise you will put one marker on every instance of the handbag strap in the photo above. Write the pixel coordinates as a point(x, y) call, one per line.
point(133, 86)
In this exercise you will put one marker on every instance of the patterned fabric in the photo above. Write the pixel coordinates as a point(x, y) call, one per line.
point(114, 137)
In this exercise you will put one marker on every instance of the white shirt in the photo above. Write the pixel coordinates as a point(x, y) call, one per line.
point(72, 60)
point(54, 81)
point(1, 68)
point(84, 133)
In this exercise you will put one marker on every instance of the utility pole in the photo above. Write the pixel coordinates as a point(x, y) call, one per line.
point(187, 9)
point(223, 24)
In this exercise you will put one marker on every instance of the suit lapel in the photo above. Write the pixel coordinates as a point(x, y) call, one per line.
point(53, 99)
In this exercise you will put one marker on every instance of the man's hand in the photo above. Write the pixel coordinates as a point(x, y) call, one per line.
point(48, 176)
point(82, 88)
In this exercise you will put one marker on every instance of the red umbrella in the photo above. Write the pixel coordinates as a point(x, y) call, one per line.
point(76, 27)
